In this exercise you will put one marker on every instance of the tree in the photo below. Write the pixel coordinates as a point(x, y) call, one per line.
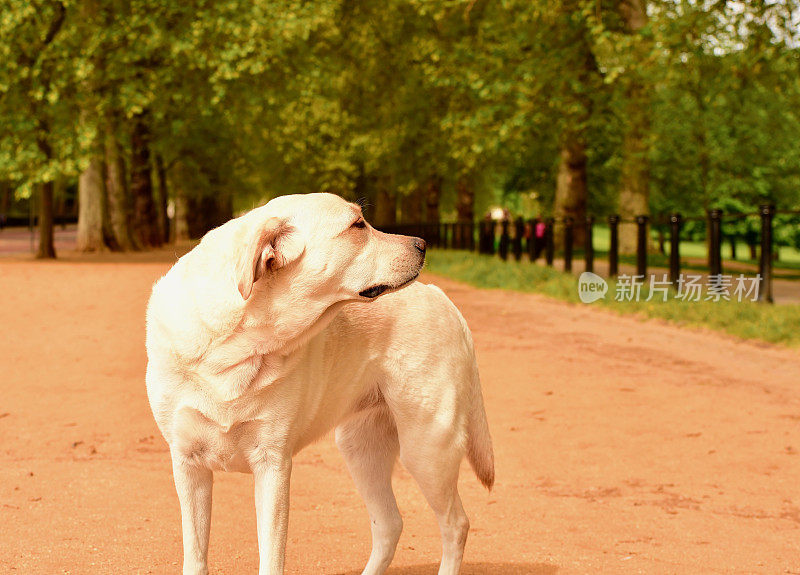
point(31, 44)
point(145, 215)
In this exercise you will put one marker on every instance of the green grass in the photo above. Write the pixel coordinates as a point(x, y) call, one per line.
point(788, 257)
point(749, 320)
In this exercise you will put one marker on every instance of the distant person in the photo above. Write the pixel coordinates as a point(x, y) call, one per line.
point(539, 232)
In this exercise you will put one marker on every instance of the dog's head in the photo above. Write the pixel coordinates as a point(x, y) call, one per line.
point(319, 247)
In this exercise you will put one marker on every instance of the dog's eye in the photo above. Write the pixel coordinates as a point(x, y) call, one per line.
point(359, 224)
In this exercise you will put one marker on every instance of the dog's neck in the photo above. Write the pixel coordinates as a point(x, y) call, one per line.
point(258, 349)
point(232, 344)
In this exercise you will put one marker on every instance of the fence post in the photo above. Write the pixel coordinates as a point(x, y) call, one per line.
point(568, 244)
point(550, 248)
point(504, 240)
point(613, 249)
point(519, 231)
point(715, 243)
point(469, 228)
point(674, 248)
point(765, 264)
point(588, 250)
point(641, 245)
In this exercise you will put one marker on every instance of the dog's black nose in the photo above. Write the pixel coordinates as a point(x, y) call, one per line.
point(419, 243)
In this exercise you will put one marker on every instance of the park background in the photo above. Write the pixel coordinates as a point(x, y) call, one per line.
point(119, 113)
point(143, 123)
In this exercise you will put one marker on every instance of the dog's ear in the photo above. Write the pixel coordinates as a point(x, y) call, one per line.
point(269, 248)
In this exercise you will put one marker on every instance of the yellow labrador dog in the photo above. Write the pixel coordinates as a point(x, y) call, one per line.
point(291, 320)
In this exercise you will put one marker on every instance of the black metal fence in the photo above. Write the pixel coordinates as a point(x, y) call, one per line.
point(517, 238)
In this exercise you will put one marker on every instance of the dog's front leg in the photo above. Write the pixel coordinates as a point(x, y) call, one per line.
point(272, 476)
point(194, 484)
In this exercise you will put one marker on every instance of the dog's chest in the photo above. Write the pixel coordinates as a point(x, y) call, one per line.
point(221, 447)
point(225, 420)
point(291, 401)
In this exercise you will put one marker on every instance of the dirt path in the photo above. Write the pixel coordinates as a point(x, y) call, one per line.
point(622, 446)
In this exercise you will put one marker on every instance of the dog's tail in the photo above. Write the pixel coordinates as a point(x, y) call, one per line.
point(479, 442)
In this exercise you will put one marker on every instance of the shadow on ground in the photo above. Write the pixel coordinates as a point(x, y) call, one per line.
point(475, 569)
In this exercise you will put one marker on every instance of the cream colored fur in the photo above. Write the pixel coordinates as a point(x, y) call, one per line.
point(273, 331)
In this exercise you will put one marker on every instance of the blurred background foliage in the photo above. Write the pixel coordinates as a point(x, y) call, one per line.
point(158, 119)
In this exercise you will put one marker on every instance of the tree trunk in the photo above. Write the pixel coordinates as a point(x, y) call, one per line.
point(207, 212)
point(634, 196)
point(385, 204)
point(47, 248)
point(571, 194)
point(465, 200)
point(5, 201)
point(432, 196)
point(60, 200)
point(181, 220)
point(91, 195)
point(181, 216)
point(145, 217)
point(163, 198)
point(412, 206)
point(119, 210)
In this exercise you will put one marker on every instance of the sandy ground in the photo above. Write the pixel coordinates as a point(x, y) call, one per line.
point(622, 446)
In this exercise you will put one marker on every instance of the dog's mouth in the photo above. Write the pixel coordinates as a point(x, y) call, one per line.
point(377, 290)
point(374, 291)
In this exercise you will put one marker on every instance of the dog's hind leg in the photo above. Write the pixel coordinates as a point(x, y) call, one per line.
point(194, 485)
point(431, 449)
point(368, 442)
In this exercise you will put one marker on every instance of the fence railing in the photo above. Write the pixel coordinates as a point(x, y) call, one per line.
point(517, 238)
